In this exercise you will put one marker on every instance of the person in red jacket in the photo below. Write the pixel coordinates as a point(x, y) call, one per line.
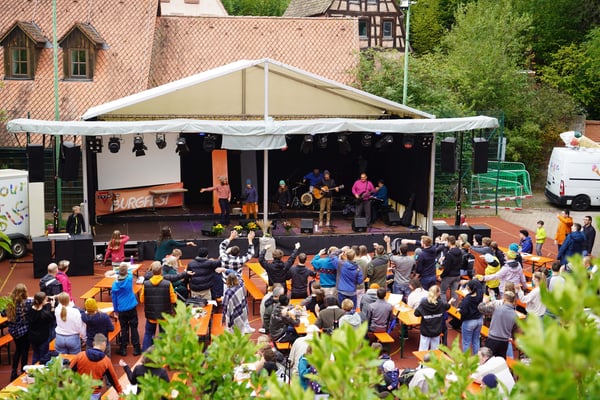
point(95, 363)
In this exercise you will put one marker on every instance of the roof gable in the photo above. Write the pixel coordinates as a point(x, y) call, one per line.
point(88, 31)
point(30, 29)
point(238, 91)
point(307, 8)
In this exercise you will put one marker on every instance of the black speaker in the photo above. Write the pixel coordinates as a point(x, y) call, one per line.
point(79, 250)
point(392, 218)
point(480, 155)
point(306, 226)
point(35, 162)
point(68, 163)
point(42, 255)
point(449, 155)
point(359, 224)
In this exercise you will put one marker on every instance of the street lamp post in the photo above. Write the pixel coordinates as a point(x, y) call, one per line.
point(406, 4)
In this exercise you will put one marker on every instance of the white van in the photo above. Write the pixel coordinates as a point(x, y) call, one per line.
point(574, 177)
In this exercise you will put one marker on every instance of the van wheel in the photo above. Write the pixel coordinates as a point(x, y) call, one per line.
point(18, 247)
point(581, 203)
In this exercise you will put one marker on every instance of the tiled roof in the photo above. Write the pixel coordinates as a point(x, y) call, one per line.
point(306, 8)
point(328, 47)
point(127, 27)
point(30, 29)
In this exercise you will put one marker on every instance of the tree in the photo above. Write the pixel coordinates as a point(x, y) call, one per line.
point(574, 69)
point(273, 8)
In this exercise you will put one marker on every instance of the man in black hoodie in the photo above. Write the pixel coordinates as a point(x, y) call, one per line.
point(452, 263)
point(277, 270)
point(204, 270)
point(299, 275)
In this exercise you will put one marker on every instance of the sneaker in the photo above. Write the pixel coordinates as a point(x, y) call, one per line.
point(249, 330)
point(320, 224)
point(327, 224)
point(262, 330)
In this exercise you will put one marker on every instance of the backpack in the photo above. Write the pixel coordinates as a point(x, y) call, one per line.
point(406, 376)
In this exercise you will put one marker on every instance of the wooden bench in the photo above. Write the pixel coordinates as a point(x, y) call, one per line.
point(383, 337)
point(216, 327)
point(254, 292)
point(283, 346)
point(90, 293)
point(5, 341)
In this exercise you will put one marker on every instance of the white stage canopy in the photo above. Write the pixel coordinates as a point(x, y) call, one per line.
point(253, 135)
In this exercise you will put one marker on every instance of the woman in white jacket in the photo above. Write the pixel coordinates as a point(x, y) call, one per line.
point(533, 299)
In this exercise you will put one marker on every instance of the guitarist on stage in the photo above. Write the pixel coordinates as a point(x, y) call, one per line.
point(324, 188)
point(362, 190)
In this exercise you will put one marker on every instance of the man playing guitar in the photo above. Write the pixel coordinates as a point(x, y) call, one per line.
point(322, 191)
point(362, 190)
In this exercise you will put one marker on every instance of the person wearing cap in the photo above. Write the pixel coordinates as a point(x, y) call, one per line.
point(512, 271)
point(250, 200)
point(391, 376)
point(223, 195)
point(204, 270)
point(494, 366)
point(493, 266)
point(125, 306)
point(283, 198)
point(96, 322)
point(325, 187)
point(525, 241)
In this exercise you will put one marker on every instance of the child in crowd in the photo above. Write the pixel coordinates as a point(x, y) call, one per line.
point(115, 249)
point(540, 237)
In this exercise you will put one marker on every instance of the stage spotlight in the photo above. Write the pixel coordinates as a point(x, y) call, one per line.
point(343, 144)
point(426, 141)
point(322, 142)
point(209, 143)
point(366, 140)
point(114, 144)
point(161, 143)
point(408, 141)
point(384, 142)
point(181, 146)
point(94, 144)
point(307, 144)
point(138, 146)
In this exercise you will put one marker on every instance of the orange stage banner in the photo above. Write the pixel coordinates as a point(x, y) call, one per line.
point(119, 200)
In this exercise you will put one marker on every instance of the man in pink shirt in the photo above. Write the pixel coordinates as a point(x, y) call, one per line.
point(61, 276)
point(362, 191)
point(223, 195)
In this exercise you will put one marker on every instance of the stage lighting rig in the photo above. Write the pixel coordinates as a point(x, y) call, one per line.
point(114, 144)
point(181, 146)
point(161, 143)
point(138, 146)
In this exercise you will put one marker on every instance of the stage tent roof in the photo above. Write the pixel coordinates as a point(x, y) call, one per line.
point(230, 100)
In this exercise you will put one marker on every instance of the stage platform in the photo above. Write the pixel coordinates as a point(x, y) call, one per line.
point(143, 227)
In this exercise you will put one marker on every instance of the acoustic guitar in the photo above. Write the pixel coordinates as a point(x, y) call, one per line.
point(318, 193)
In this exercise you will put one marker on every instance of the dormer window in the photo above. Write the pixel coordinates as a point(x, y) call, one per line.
point(22, 44)
point(80, 48)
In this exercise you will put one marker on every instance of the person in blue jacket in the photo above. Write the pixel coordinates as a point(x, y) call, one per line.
point(250, 199)
point(325, 264)
point(573, 244)
point(124, 305)
point(525, 242)
point(350, 276)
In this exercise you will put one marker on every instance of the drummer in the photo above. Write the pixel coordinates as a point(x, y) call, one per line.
point(283, 198)
point(313, 178)
point(326, 186)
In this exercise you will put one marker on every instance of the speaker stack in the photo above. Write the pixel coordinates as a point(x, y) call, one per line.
point(359, 224)
point(392, 218)
point(306, 225)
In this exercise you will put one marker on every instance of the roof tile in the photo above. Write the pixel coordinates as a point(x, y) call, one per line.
point(306, 8)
